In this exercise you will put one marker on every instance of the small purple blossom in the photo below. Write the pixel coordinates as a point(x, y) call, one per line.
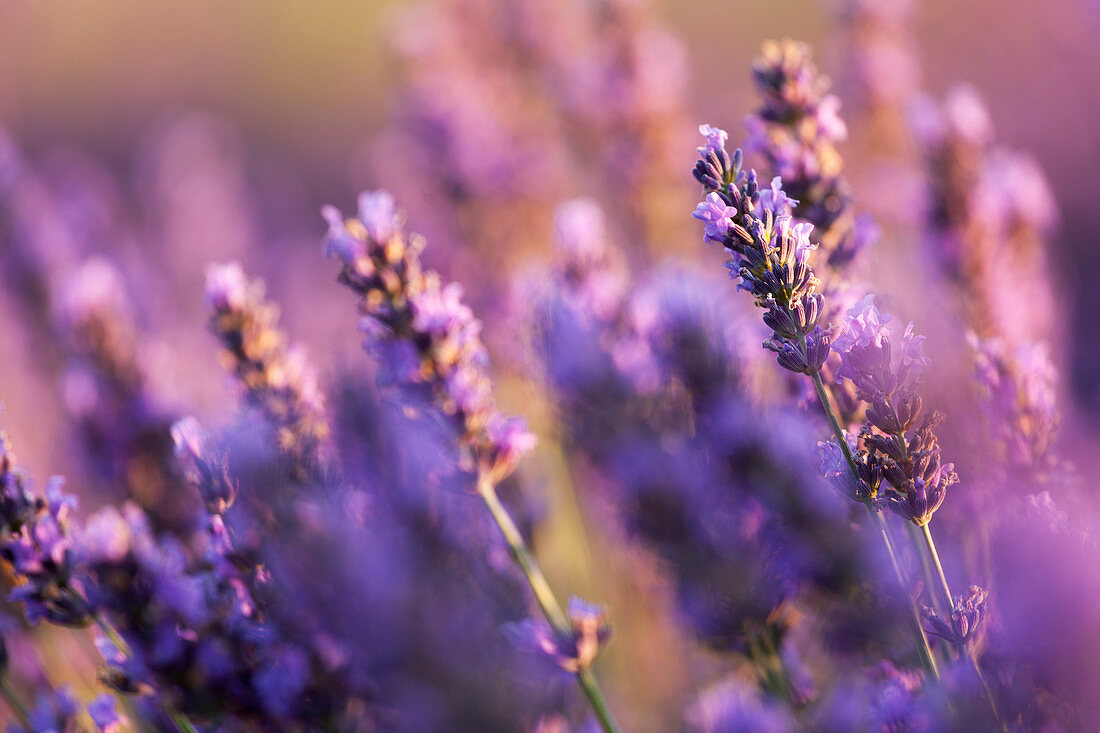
point(966, 618)
point(717, 217)
point(716, 140)
point(104, 715)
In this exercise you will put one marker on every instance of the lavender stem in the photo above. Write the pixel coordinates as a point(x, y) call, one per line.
point(13, 701)
point(963, 648)
point(544, 596)
point(179, 719)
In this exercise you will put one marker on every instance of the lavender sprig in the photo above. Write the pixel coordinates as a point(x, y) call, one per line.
point(277, 380)
point(797, 129)
point(771, 257)
point(433, 342)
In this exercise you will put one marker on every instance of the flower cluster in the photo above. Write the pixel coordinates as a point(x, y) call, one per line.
point(422, 331)
point(887, 378)
point(797, 129)
point(769, 252)
point(276, 380)
point(577, 650)
point(37, 541)
point(965, 620)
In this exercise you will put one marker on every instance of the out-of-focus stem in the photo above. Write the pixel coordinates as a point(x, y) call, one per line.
point(931, 545)
point(545, 597)
point(178, 719)
point(923, 648)
point(963, 648)
point(921, 640)
point(12, 698)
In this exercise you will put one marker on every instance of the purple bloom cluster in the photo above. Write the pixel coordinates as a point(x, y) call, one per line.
point(422, 331)
point(797, 129)
point(769, 252)
point(276, 380)
point(988, 213)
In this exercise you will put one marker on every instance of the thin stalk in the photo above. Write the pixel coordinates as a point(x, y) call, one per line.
point(12, 698)
point(930, 582)
point(178, 719)
point(963, 648)
point(545, 598)
point(926, 566)
point(923, 649)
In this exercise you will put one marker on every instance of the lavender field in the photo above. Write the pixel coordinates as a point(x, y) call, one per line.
point(549, 366)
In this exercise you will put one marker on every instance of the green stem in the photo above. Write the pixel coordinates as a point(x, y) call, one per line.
point(827, 405)
point(179, 719)
point(931, 545)
point(923, 648)
point(921, 641)
point(930, 582)
point(13, 701)
point(963, 648)
point(545, 597)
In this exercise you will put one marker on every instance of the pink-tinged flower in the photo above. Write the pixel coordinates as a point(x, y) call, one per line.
point(716, 215)
point(226, 286)
point(716, 140)
point(378, 214)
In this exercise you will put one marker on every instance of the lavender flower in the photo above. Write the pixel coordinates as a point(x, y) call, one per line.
point(1018, 397)
point(988, 215)
point(797, 129)
point(123, 426)
point(37, 541)
point(276, 380)
point(105, 716)
point(966, 618)
point(575, 652)
point(770, 254)
point(403, 304)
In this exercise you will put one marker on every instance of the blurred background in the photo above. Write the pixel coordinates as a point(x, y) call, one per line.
point(298, 89)
point(215, 131)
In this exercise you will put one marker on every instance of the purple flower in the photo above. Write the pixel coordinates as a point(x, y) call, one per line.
point(104, 715)
point(775, 200)
point(274, 377)
point(226, 287)
point(206, 471)
point(574, 650)
point(966, 618)
point(717, 217)
point(378, 214)
point(403, 304)
point(716, 140)
point(866, 357)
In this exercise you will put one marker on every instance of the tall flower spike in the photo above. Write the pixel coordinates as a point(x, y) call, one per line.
point(772, 259)
point(430, 335)
point(797, 129)
point(989, 214)
point(429, 339)
point(277, 379)
point(122, 425)
point(768, 252)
